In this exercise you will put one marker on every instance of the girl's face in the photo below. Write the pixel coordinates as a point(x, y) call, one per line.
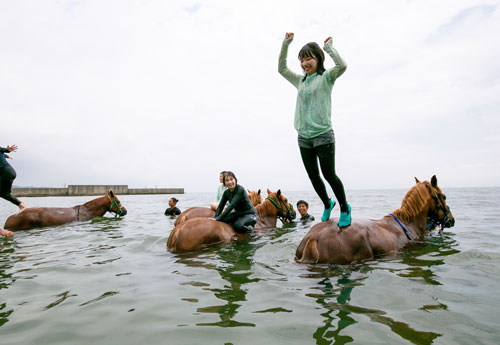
point(230, 182)
point(309, 64)
point(171, 203)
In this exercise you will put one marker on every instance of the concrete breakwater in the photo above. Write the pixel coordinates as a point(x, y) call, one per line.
point(76, 190)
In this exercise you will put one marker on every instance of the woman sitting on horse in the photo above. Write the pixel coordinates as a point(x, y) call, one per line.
point(240, 212)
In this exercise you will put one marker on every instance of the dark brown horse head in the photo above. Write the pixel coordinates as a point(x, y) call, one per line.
point(255, 197)
point(285, 209)
point(115, 205)
point(439, 212)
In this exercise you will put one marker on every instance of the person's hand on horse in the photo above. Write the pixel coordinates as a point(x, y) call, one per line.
point(289, 36)
point(12, 148)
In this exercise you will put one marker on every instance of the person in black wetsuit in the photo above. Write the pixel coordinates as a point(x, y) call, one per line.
point(240, 213)
point(303, 207)
point(7, 177)
point(172, 210)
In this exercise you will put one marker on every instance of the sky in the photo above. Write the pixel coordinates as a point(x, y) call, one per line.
point(167, 94)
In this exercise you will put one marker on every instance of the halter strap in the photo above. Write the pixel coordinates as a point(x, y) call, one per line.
point(286, 212)
point(402, 226)
point(114, 203)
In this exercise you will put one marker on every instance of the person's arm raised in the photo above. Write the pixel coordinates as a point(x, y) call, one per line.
point(340, 65)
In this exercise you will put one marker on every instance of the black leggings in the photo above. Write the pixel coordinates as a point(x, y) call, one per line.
point(326, 155)
point(240, 223)
point(7, 177)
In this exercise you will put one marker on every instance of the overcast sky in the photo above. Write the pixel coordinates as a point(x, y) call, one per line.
point(169, 93)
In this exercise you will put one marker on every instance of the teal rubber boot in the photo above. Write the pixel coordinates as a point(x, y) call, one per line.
point(345, 217)
point(327, 211)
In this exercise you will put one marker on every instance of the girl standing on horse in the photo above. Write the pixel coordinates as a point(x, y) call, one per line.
point(313, 119)
point(240, 212)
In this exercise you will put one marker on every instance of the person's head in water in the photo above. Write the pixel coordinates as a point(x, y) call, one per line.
point(172, 202)
point(302, 207)
point(312, 58)
point(230, 180)
point(221, 176)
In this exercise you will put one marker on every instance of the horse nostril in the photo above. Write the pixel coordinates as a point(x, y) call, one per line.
point(123, 212)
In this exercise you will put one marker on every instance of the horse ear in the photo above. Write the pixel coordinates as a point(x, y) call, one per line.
point(249, 191)
point(268, 191)
point(258, 193)
point(434, 181)
point(278, 192)
point(111, 194)
point(416, 180)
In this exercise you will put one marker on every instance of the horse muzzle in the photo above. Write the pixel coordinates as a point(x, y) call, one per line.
point(123, 212)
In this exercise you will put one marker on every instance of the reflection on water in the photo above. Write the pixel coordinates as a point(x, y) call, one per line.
point(338, 283)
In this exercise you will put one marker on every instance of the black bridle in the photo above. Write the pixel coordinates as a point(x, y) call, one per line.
point(444, 221)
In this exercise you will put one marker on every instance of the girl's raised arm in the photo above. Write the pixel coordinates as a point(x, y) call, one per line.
point(340, 65)
point(283, 69)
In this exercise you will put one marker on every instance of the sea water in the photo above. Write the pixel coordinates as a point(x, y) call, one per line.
point(112, 281)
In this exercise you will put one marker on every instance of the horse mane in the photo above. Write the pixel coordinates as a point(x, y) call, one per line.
point(94, 201)
point(266, 208)
point(413, 203)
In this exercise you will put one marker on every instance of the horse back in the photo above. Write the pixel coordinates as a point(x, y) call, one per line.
point(326, 242)
point(38, 217)
point(197, 232)
point(194, 212)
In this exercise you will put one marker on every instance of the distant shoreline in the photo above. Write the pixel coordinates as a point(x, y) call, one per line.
point(79, 190)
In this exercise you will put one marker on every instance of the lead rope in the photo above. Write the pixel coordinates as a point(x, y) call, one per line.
point(402, 226)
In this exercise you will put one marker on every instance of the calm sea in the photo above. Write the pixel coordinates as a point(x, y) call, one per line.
point(111, 281)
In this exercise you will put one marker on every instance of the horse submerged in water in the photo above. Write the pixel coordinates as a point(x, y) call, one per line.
point(365, 239)
point(207, 212)
point(198, 232)
point(35, 217)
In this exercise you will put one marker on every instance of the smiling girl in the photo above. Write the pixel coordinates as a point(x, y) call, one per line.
point(240, 212)
point(313, 119)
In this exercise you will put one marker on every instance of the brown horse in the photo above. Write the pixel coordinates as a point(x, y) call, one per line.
point(364, 239)
point(198, 232)
point(207, 212)
point(33, 217)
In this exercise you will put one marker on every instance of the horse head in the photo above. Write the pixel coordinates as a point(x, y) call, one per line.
point(284, 209)
point(439, 213)
point(255, 197)
point(115, 205)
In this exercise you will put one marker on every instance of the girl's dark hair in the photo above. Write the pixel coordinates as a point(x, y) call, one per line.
point(229, 173)
point(175, 200)
point(312, 50)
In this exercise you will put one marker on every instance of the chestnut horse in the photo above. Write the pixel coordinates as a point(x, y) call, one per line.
point(364, 239)
point(198, 232)
point(35, 217)
point(207, 212)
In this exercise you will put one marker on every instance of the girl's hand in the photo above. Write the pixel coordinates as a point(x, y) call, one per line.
point(289, 36)
point(328, 39)
point(12, 148)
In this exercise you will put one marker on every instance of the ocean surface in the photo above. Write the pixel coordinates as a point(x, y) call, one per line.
point(112, 281)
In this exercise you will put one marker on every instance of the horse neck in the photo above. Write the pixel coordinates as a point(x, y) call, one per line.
point(414, 209)
point(97, 207)
point(267, 215)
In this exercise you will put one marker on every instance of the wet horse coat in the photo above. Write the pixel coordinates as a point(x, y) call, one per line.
point(365, 239)
point(198, 232)
point(36, 217)
point(206, 212)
